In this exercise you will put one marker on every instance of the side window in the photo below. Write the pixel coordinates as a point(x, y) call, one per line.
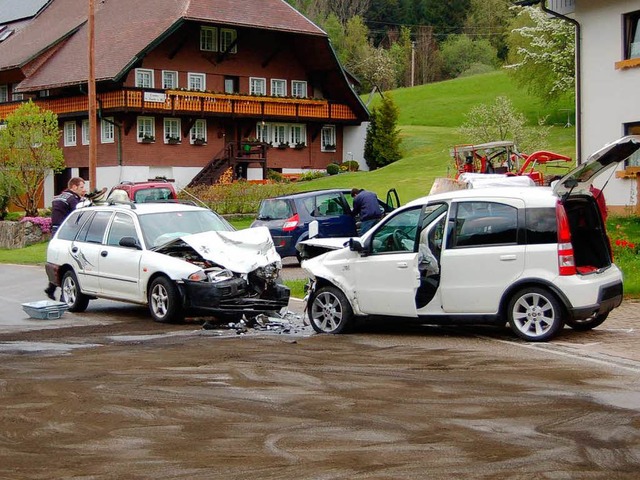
point(484, 224)
point(398, 234)
point(329, 205)
point(73, 224)
point(541, 225)
point(97, 226)
point(122, 226)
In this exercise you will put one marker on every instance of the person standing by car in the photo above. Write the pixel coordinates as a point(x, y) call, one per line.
point(366, 204)
point(61, 206)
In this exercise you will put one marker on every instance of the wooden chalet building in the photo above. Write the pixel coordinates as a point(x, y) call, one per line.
point(186, 89)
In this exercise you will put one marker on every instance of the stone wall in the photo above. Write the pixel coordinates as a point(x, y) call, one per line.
point(20, 234)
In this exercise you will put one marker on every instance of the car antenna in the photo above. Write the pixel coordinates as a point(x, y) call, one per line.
point(195, 198)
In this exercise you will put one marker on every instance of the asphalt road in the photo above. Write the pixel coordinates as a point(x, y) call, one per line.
point(109, 394)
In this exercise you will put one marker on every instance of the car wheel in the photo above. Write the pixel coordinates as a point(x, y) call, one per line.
point(330, 311)
point(165, 303)
point(587, 323)
point(71, 294)
point(535, 314)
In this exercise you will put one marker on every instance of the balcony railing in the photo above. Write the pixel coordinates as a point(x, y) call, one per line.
point(178, 101)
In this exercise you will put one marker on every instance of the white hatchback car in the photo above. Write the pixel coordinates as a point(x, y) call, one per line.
point(535, 257)
point(177, 259)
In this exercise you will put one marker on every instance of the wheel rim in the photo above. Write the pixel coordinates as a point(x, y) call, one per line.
point(327, 312)
point(70, 290)
point(159, 301)
point(533, 315)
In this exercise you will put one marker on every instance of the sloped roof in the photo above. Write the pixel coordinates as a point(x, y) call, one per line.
point(14, 10)
point(124, 29)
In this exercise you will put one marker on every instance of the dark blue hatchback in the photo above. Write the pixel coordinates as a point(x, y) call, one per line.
point(288, 216)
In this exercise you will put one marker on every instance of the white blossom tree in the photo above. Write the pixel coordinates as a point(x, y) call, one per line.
point(542, 54)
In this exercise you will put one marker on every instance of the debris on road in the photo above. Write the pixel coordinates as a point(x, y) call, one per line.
point(284, 323)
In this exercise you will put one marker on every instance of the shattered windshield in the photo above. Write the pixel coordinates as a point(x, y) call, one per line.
point(160, 228)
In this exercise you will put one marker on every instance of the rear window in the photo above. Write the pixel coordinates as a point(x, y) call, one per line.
point(541, 225)
point(152, 195)
point(275, 209)
point(72, 226)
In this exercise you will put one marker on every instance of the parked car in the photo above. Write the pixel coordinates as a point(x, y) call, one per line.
point(537, 258)
point(156, 190)
point(177, 259)
point(288, 216)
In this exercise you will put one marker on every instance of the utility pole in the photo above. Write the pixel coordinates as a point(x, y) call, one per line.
point(93, 130)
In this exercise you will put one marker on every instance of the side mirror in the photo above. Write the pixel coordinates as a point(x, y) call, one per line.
point(355, 245)
point(129, 242)
point(314, 229)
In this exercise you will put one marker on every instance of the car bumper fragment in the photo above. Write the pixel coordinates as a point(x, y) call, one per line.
point(233, 296)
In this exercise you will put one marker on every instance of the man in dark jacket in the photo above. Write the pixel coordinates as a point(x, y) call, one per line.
point(61, 206)
point(366, 205)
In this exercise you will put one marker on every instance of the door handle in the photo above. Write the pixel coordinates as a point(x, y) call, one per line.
point(104, 253)
point(507, 258)
point(403, 265)
point(74, 249)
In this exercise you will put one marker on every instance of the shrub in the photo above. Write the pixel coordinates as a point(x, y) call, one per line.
point(333, 169)
point(43, 222)
point(349, 166)
point(311, 175)
point(237, 197)
point(276, 176)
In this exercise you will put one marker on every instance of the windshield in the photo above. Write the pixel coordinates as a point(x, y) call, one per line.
point(160, 228)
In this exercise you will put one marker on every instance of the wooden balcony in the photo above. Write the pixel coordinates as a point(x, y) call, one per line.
point(176, 102)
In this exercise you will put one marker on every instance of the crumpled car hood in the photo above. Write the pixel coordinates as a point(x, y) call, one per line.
point(241, 251)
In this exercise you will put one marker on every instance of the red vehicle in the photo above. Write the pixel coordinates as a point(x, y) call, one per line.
point(156, 190)
point(502, 157)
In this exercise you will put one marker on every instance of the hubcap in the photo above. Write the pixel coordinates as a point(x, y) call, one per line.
point(327, 311)
point(69, 291)
point(159, 301)
point(533, 314)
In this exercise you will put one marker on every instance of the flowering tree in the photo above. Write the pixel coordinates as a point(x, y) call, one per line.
point(543, 54)
point(28, 152)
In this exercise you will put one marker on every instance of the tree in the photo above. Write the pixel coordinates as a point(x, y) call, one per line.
point(490, 19)
point(542, 54)
point(28, 152)
point(460, 52)
point(382, 145)
point(501, 121)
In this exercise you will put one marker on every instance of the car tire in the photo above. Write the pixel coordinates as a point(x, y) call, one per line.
point(165, 303)
point(71, 294)
point(535, 314)
point(588, 323)
point(330, 311)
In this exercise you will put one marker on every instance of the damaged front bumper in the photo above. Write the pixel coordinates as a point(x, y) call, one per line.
point(234, 296)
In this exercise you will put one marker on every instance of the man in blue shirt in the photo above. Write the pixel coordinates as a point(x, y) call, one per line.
point(366, 205)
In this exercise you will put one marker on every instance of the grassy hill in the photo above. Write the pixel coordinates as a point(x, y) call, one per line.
point(429, 118)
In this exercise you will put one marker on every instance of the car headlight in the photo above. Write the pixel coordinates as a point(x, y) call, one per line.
point(269, 272)
point(213, 276)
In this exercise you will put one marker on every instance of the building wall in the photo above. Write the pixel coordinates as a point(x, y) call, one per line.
point(610, 96)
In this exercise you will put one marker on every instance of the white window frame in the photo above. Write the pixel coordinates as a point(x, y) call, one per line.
point(278, 87)
point(171, 127)
point(144, 76)
point(263, 132)
point(107, 130)
point(145, 126)
point(4, 93)
point(194, 76)
point(227, 37)
point(297, 134)
point(199, 130)
point(85, 131)
point(173, 76)
point(70, 134)
point(209, 39)
point(279, 134)
point(257, 86)
point(299, 88)
point(328, 137)
point(16, 96)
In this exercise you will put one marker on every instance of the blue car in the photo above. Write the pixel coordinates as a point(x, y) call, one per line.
point(288, 216)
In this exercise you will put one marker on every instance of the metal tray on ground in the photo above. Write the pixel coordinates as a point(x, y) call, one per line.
point(45, 309)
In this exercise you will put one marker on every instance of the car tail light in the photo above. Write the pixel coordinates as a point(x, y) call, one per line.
point(291, 223)
point(566, 259)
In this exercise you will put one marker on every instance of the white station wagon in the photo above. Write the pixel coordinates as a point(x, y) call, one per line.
point(535, 257)
point(177, 259)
